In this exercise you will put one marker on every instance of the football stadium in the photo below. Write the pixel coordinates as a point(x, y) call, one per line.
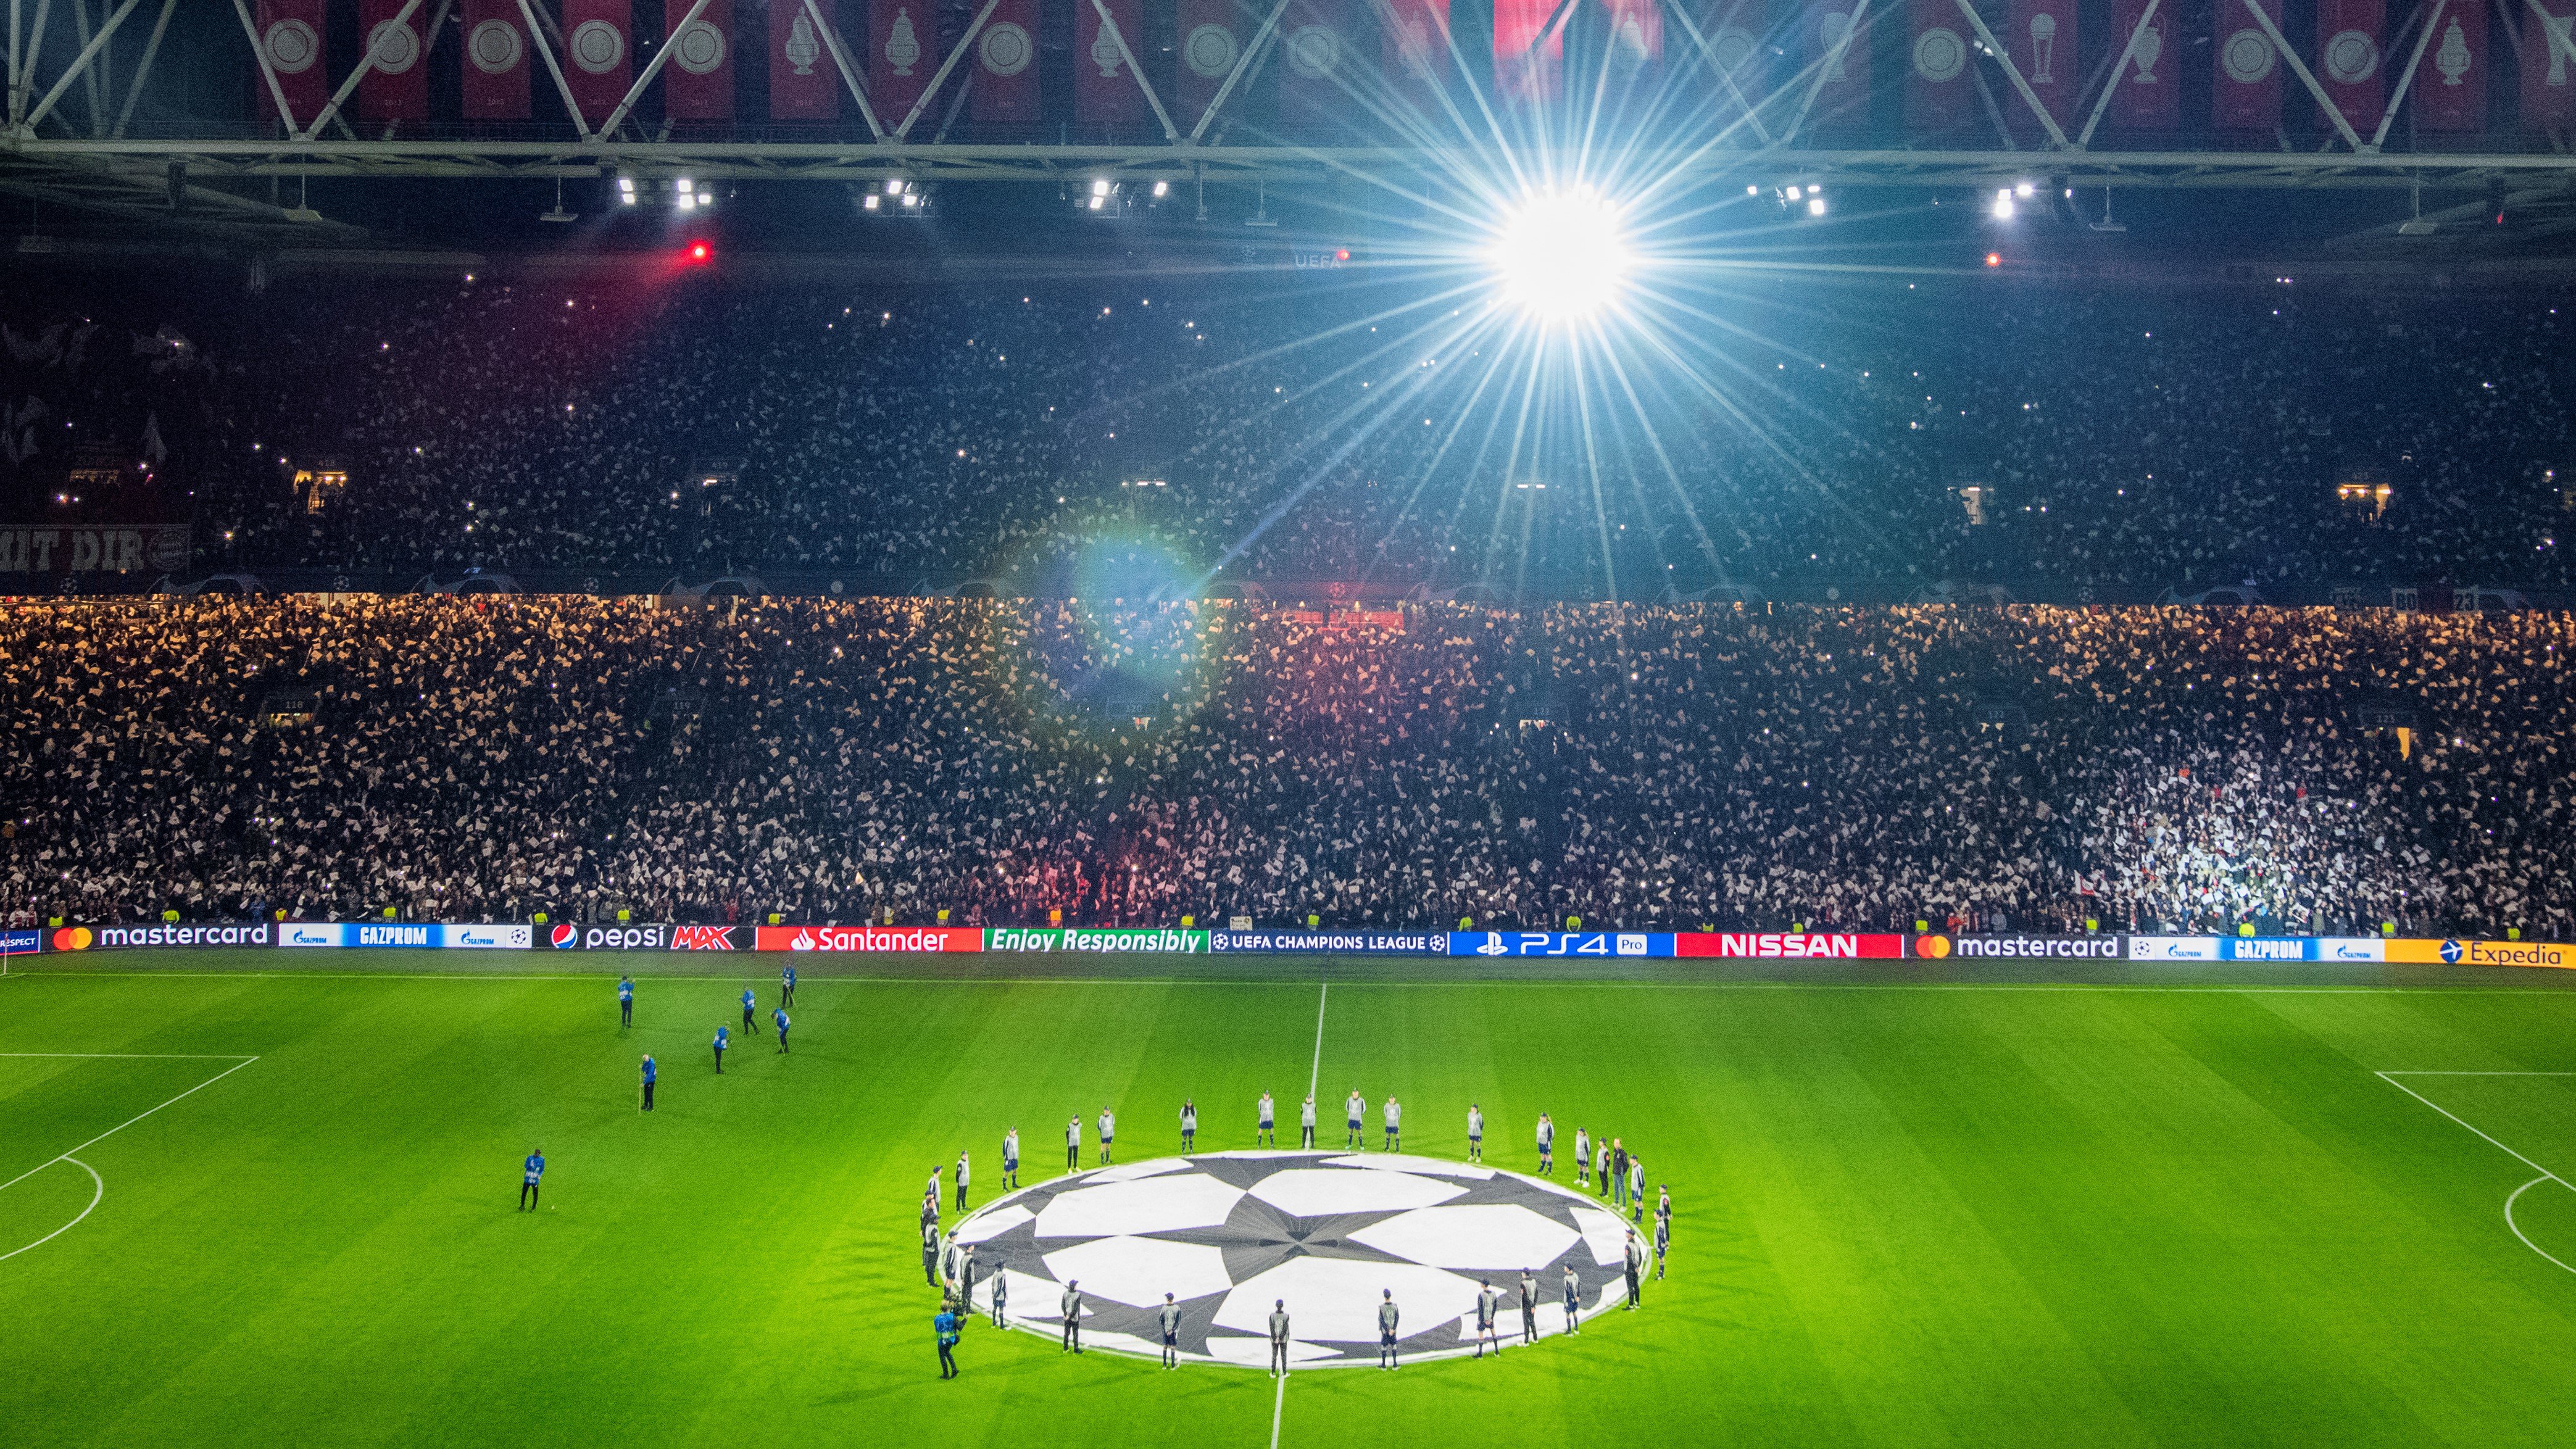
point(1840, 721)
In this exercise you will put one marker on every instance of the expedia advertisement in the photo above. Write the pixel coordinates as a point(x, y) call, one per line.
point(1146, 941)
point(2483, 953)
point(2016, 948)
point(159, 937)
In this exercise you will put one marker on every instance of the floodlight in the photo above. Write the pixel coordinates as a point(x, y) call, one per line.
point(1561, 255)
point(868, 202)
point(688, 202)
point(1100, 188)
point(1794, 193)
point(1162, 189)
point(912, 198)
point(2003, 203)
point(2025, 190)
point(1095, 203)
point(1815, 206)
point(682, 186)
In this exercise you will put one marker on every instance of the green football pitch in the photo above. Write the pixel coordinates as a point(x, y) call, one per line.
point(278, 1207)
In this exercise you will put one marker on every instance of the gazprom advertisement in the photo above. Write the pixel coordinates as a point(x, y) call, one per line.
point(405, 935)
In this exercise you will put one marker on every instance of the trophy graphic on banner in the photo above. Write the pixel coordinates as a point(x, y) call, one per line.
point(2151, 44)
point(2452, 60)
point(2043, 42)
point(800, 49)
point(1833, 30)
point(1104, 49)
point(902, 46)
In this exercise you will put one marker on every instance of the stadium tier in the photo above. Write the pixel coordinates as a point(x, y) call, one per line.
point(980, 763)
point(1878, 438)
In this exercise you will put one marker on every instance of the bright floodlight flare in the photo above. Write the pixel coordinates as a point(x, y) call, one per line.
point(1562, 255)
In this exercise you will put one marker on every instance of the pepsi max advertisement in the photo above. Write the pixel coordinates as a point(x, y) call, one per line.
point(641, 936)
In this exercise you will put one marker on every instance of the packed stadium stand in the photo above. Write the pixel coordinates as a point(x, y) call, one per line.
point(1872, 436)
point(1634, 765)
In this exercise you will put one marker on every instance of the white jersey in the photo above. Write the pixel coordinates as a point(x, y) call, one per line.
point(1268, 1113)
point(1358, 1107)
point(1010, 1147)
point(1546, 1133)
point(1582, 1145)
point(961, 1169)
point(1394, 1115)
point(1475, 1123)
point(1306, 1114)
point(1108, 1127)
point(1073, 1133)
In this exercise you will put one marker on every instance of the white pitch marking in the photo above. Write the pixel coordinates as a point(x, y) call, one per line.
point(2545, 1174)
point(128, 1122)
point(99, 1191)
point(1315, 1075)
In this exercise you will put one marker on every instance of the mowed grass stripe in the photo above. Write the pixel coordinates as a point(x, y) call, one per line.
point(1907, 1217)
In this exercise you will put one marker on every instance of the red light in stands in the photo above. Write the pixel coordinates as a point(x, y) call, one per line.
point(1342, 255)
point(699, 251)
point(1994, 259)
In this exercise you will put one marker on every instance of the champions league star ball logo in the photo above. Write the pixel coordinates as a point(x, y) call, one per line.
point(1228, 1233)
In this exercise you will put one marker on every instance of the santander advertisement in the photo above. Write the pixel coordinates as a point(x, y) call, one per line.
point(868, 938)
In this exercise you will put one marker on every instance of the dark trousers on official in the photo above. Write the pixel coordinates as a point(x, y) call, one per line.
point(1632, 1288)
point(1278, 1356)
point(527, 1194)
point(1310, 1139)
point(750, 1026)
point(1073, 1334)
point(1072, 1157)
point(961, 1197)
point(782, 1041)
point(947, 1362)
point(1529, 1325)
point(648, 1096)
point(719, 1061)
point(930, 1266)
point(1475, 1149)
point(626, 1013)
point(787, 996)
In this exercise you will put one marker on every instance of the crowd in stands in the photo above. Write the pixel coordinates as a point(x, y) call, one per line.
point(1336, 425)
point(1637, 766)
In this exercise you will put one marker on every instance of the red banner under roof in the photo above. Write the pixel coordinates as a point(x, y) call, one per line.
point(2548, 62)
point(1104, 89)
point(2245, 92)
point(599, 55)
point(2349, 40)
point(2043, 37)
point(1939, 96)
point(1212, 35)
point(396, 87)
point(1415, 41)
point(697, 81)
point(1006, 66)
point(1527, 71)
point(495, 75)
point(2450, 90)
point(291, 33)
point(804, 85)
point(2149, 97)
point(1315, 51)
point(903, 53)
point(1835, 39)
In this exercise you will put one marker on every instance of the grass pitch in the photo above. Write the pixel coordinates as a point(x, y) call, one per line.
point(2110, 1214)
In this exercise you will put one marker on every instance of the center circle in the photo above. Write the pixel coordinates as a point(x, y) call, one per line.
point(1230, 1234)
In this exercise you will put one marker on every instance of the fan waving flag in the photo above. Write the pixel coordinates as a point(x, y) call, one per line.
point(804, 85)
point(2450, 89)
point(2149, 97)
point(599, 55)
point(1006, 66)
point(697, 81)
point(2348, 55)
point(290, 35)
point(1938, 94)
point(1104, 88)
point(396, 87)
point(1314, 47)
point(495, 73)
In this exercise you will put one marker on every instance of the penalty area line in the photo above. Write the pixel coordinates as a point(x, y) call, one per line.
point(2545, 1174)
point(119, 1127)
